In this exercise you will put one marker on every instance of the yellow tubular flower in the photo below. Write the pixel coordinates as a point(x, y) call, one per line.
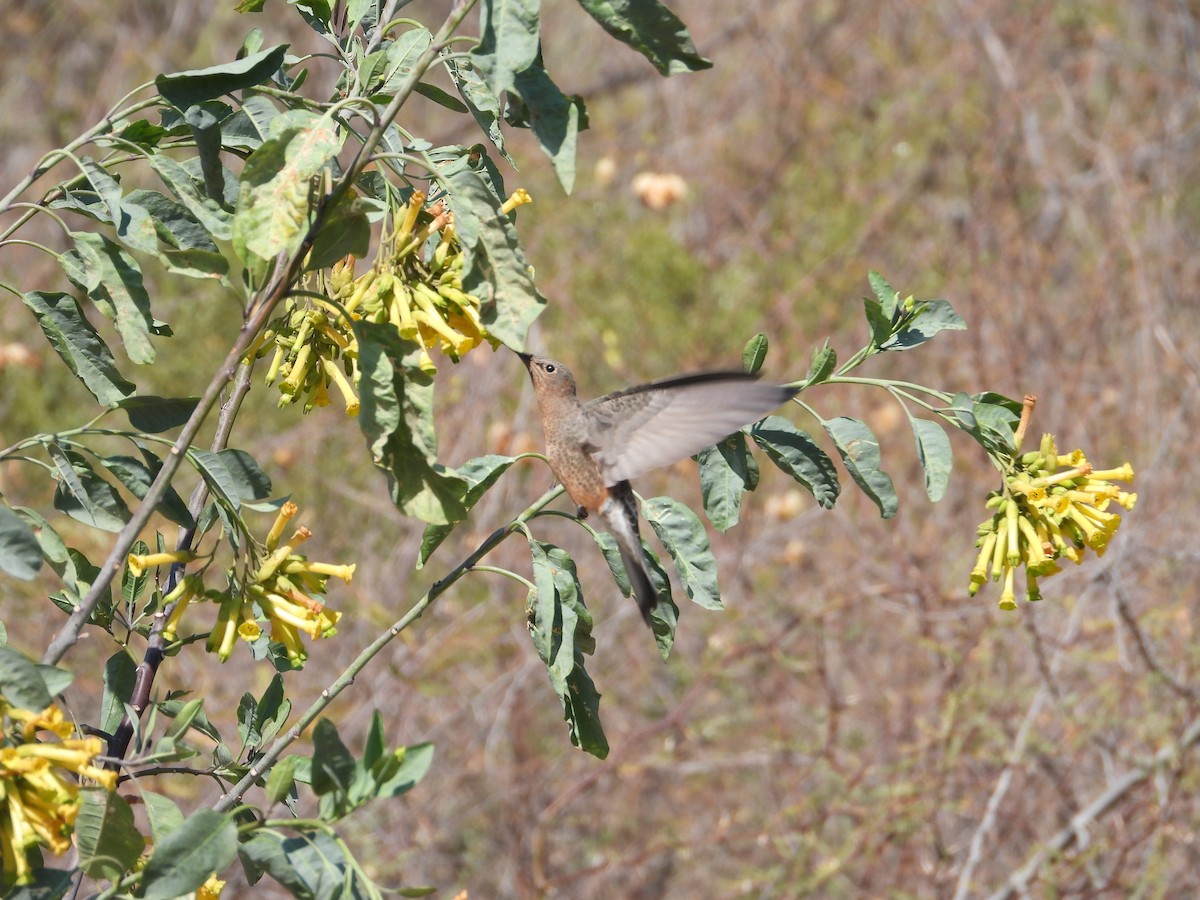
point(211, 889)
point(346, 573)
point(139, 563)
point(519, 198)
point(1008, 598)
point(334, 371)
point(272, 562)
point(1124, 473)
point(1011, 514)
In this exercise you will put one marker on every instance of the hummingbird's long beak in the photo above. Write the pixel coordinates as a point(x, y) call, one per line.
point(525, 357)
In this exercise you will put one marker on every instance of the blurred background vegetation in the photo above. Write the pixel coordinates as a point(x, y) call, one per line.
point(852, 725)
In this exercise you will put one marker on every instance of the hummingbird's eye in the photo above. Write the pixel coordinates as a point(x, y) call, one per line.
point(549, 367)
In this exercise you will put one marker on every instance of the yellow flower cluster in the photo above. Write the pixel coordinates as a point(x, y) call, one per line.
point(282, 588)
point(415, 285)
point(1051, 506)
point(38, 804)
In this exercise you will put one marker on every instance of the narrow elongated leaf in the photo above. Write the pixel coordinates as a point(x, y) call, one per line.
point(824, 361)
point(250, 481)
point(884, 293)
point(184, 89)
point(137, 477)
point(174, 223)
point(77, 343)
point(793, 451)
point(20, 553)
point(309, 865)
point(935, 453)
point(652, 30)
point(414, 764)
point(105, 835)
point(164, 816)
point(479, 474)
point(220, 480)
point(281, 780)
point(20, 682)
point(204, 844)
point(682, 533)
point(86, 497)
point(859, 450)
point(134, 225)
point(114, 283)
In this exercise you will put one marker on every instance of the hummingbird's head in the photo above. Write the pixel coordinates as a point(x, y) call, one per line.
point(550, 378)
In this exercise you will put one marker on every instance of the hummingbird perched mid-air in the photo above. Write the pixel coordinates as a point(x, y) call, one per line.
point(594, 448)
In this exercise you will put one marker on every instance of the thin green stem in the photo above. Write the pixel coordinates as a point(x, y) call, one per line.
point(369, 652)
point(499, 570)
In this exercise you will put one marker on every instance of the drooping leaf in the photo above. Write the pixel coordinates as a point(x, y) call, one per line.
point(20, 552)
point(793, 451)
point(250, 481)
point(495, 264)
point(344, 230)
point(754, 353)
point(397, 419)
point(113, 281)
point(205, 843)
point(105, 835)
point(935, 454)
point(81, 348)
point(884, 293)
point(480, 102)
point(333, 764)
point(682, 533)
point(137, 477)
point(726, 472)
point(859, 449)
point(207, 210)
point(652, 30)
point(554, 118)
point(85, 496)
point(184, 89)
point(134, 225)
point(509, 41)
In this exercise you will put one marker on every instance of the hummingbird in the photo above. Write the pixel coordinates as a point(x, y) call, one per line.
point(595, 448)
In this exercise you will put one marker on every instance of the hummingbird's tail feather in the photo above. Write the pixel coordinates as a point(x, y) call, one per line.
point(619, 513)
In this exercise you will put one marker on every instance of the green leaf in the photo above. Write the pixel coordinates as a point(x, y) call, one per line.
point(20, 552)
point(310, 864)
point(481, 103)
point(164, 816)
point(935, 453)
point(561, 628)
point(859, 450)
point(682, 533)
point(479, 474)
point(927, 319)
point(992, 424)
point(754, 353)
point(879, 321)
point(415, 761)
point(46, 884)
point(281, 780)
point(652, 30)
point(133, 586)
point(20, 681)
point(884, 293)
point(555, 120)
point(133, 223)
point(509, 41)
point(250, 481)
point(206, 843)
point(81, 348)
point(275, 193)
point(395, 63)
point(216, 474)
point(137, 477)
point(113, 281)
point(344, 230)
point(273, 711)
point(726, 472)
point(105, 835)
point(495, 264)
point(154, 415)
point(397, 419)
point(176, 227)
point(120, 673)
point(57, 680)
point(824, 361)
point(249, 126)
point(793, 451)
point(332, 763)
point(184, 89)
point(207, 210)
point(85, 496)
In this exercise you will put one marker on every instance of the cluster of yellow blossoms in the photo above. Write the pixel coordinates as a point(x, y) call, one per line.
point(415, 285)
point(38, 802)
point(1051, 506)
point(283, 589)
